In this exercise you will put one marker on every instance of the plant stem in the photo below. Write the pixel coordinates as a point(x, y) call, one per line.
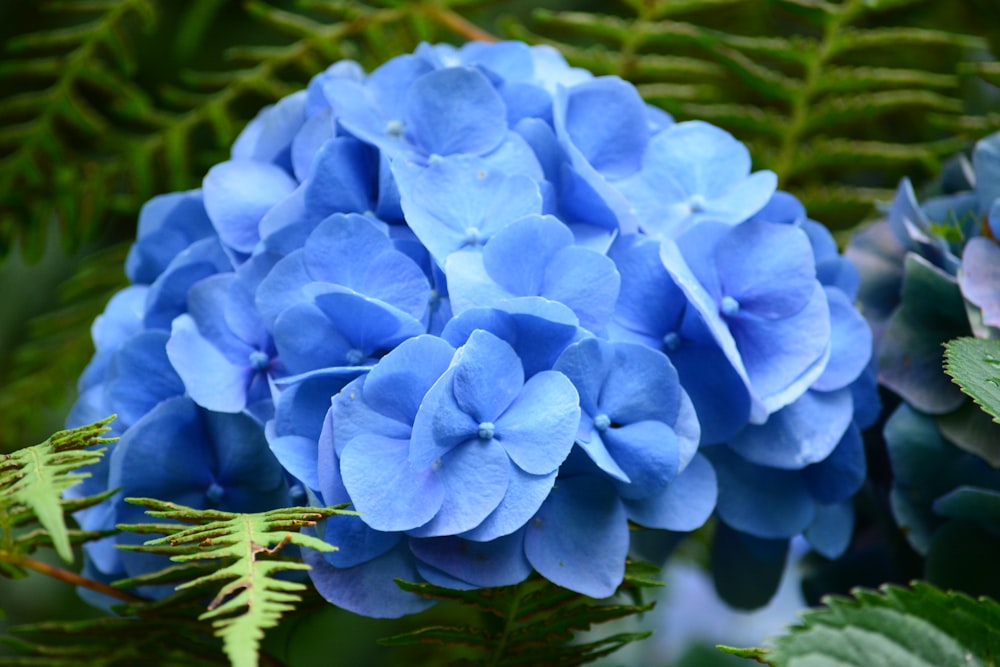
point(508, 624)
point(457, 23)
point(69, 577)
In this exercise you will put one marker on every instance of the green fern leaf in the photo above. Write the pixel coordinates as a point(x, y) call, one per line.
point(249, 598)
point(532, 623)
point(837, 84)
point(64, 62)
point(33, 480)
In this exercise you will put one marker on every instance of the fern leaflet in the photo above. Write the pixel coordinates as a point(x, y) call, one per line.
point(33, 479)
point(845, 95)
point(534, 622)
point(250, 598)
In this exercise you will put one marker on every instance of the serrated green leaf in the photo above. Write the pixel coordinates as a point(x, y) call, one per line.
point(974, 365)
point(895, 627)
point(247, 596)
point(36, 477)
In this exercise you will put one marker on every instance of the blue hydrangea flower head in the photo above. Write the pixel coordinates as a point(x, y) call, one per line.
point(500, 307)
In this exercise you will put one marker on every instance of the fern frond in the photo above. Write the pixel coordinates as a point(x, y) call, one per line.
point(111, 642)
point(33, 479)
point(41, 127)
point(534, 622)
point(856, 83)
point(249, 597)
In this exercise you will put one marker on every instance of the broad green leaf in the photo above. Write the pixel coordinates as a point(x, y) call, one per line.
point(920, 626)
point(974, 364)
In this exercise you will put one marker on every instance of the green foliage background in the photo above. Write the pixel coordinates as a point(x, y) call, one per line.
point(104, 103)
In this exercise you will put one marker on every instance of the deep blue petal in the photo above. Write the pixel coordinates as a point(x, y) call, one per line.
point(500, 562)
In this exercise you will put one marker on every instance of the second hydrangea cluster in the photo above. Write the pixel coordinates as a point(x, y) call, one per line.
point(501, 307)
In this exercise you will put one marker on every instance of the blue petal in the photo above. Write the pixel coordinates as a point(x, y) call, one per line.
point(458, 201)
point(647, 452)
point(500, 562)
point(168, 224)
point(140, 377)
point(784, 357)
point(839, 476)
point(831, 531)
point(211, 379)
point(525, 494)
point(237, 195)
point(475, 476)
point(538, 330)
point(518, 256)
point(396, 386)
point(764, 502)
point(538, 429)
point(799, 434)
point(390, 494)
point(605, 118)
point(579, 538)
point(487, 376)
point(980, 277)
point(268, 137)
point(369, 589)
point(587, 282)
point(850, 344)
point(357, 543)
point(767, 267)
point(684, 505)
point(455, 110)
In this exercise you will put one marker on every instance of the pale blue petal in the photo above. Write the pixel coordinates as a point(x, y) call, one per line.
point(647, 452)
point(237, 195)
point(210, 379)
point(801, 433)
point(525, 494)
point(539, 427)
point(455, 110)
point(684, 505)
point(579, 538)
point(396, 386)
point(605, 118)
point(475, 476)
point(390, 494)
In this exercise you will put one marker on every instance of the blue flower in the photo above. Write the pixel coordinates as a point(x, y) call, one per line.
point(694, 172)
point(755, 286)
point(503, 309)
point(582, 279)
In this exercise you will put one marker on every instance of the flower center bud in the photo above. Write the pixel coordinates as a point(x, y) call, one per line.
point(697, 203)
point(259, 360)
point(394, 128)
point(729, 306)
point(486, 430)
point(473, 236)
point(354, 356)
point(672, 341)
point(214, 493)
point(602, 422)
